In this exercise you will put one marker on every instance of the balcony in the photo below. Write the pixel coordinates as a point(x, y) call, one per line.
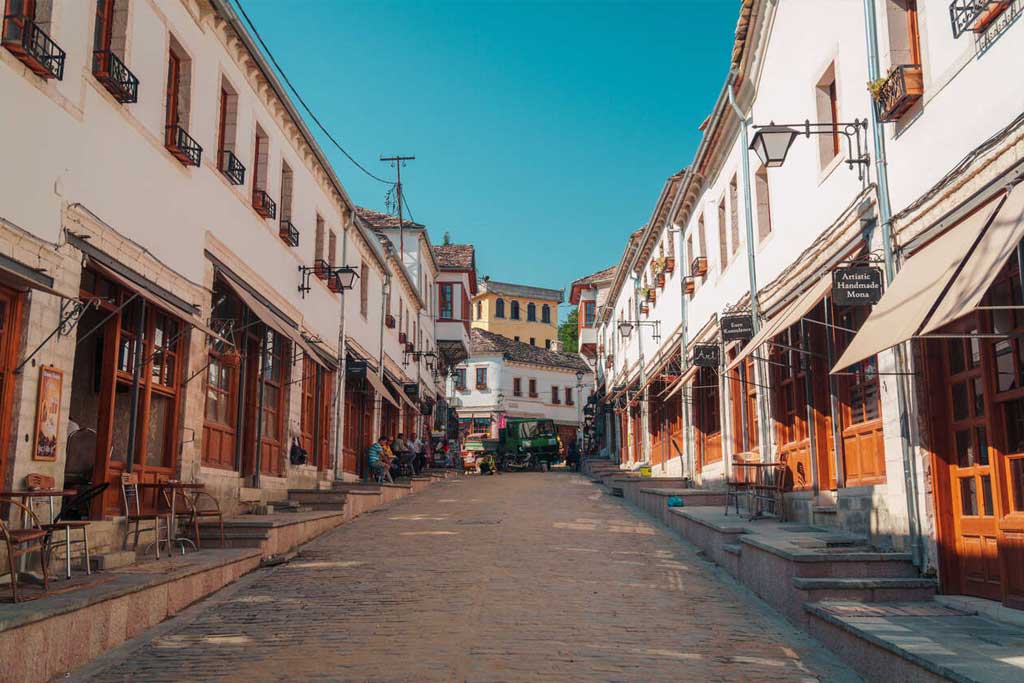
point(402, 338)
point(109, 70)
point(264, 205)
point(33, 48)
point(289, 233)
point(975, 15)
point(902, 88)
point(182, 146)
point(322, 269)
point(231, 167)
point(699, 267)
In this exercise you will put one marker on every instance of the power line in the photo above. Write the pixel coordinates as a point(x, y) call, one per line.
point(305, 106)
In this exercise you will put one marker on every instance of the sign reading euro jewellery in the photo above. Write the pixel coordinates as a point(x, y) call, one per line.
point(736, 327)
point(856, 286)
point(707, 355)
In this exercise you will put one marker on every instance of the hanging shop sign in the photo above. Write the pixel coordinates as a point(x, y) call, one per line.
point(856, 286)
point(355, 368)
point(736, 327)
point(707, 355)
point(412, 390)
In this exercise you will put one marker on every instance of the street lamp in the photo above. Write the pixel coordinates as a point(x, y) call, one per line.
point(579, 414)
point(626, 327)
point(771, 143)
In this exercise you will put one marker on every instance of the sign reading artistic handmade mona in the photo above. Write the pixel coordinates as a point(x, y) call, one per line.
point(707, 355)
point(51, 382)
point(856, 286)
point(736, 327)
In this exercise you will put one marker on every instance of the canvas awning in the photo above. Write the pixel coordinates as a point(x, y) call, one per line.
point(944, 281)
point(400, 390)
point(19, 276)
point(378, 385)
point(152, 295)
point(678, 385)
point(788, 316)
point(267, 316)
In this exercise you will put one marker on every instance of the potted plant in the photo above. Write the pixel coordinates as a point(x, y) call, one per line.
point(231, 358)
point(670, 264)
point(645, 309)
point(689, 285)
point(661, 280)
point(875, 87)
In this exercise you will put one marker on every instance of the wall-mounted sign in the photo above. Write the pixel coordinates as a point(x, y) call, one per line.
point(355, 368)
point(856, 286)
point(707, 355)
point(412, 390)
point(736, 327)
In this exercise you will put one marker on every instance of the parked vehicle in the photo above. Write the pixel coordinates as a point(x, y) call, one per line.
point(475, 449)
point(528, 443)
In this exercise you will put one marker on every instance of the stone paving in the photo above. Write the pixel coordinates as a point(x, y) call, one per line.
point(520, 577)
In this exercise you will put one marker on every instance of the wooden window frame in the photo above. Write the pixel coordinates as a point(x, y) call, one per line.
point(532, 385)
point(173, 93)
point(460, 379)
point(517, 386)
point(446, 301)
point(481, 378)
point(555, 398)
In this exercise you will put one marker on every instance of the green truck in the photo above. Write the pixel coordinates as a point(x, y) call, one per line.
point(526, 443)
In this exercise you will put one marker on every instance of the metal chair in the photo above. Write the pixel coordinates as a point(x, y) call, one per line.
point(133, 514)
point(202, 505)
point(72, 516)
point(738, 481)
point(22, 542)
point(769, 493)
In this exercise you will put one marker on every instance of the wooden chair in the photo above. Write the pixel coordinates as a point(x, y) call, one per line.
point(21, 542)
point(770, 493)
point(202, 505)
point(739, 481)
point(58, 523)
point(134, 515)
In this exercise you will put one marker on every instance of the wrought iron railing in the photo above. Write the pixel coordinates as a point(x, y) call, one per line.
point(231, 167)
point(264, 205)
point(321, 268)
point(109, 70)
point(901, 90)
point(179, 143)
point(23, 37)
point(289, 233)
point(974, 15)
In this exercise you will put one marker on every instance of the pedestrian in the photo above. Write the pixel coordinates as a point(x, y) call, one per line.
point(376, 459)
point(419, 460)
point(573, 456)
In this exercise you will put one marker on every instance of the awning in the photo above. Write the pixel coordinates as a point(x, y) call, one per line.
point(404, 397)
point(789, 315)
point(17, 274)
point(267, 316)
point(678, 385)
point(324, 353)
point(941, 282)
point(152, 295)
point(378, 385)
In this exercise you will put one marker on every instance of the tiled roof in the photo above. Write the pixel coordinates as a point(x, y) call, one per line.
point(377, 220)
point(455, 256)
point(482, 342)
point(600, 276)
point(525, 291)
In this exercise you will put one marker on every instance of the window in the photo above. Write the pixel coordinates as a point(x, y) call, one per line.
point(723, 235)
point(318, 243)
point(533, 388)
point(499, 308)
point(286, 193)
point(517, 386)
point(274, 379)
point(227, 131)
point(702, 242)
point(460, 379)
point(547, 344)
point(533, 341)
point(734, 219)
point(261, 157)
point(481, 378)
point(531, 312)
point(827, 103)
point(364, 289)
point(568, 396)
point(517, 337)
point(545, 313)
point(764, 205)
point(332, 248)
point(479, 310)
point(447, 301)
point(589, 313)
point(108, 44)
point(514, 315)
point(554, 396)
point(904, 33)
point(178, 80)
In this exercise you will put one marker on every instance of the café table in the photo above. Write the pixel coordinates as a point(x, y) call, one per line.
point(27, 498)
point(173, 485)
point(760, 471)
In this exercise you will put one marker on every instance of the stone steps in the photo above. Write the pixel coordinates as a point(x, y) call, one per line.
point(879, 589)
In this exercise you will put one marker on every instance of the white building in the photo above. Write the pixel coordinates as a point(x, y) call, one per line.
point(885, 443)
point(505, 378)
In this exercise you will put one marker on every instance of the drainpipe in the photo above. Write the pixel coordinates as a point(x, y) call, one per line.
point(900, 351)
point(385, 292)
point(748, 214)
point(261, 378)
point(339, 390)
point(688, 463)
point(642, 456)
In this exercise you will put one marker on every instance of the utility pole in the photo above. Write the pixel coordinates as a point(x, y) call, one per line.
point(398, 161)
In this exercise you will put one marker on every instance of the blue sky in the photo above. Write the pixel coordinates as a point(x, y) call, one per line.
point(542, 131)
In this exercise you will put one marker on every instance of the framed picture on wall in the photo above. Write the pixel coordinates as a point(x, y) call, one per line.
point(51, 382)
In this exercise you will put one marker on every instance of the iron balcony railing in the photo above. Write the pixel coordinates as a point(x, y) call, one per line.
point(30, 44)
point(179, 143)
point(289, 233)
point(321, 268)
point(264, 205)
point(901, 90)
point(231, 167)
point(109, 70)
point(974, 15)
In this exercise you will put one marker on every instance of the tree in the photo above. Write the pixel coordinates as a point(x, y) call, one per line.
point(567, 332)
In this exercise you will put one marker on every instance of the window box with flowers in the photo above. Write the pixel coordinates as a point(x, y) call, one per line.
point(389, 321)
point(699, 267)
point(689, 285)
point(645, 309)
point(898, 91)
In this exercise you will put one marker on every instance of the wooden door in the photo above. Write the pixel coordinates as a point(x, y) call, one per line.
point(10, 317)
point(969, 459)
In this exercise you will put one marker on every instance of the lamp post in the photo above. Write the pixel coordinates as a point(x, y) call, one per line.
point(579, 414)
point(498, 402)
point(771, 143)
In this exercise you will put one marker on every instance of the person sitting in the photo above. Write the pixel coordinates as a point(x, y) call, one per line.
point(376, 457)
point(393, 459)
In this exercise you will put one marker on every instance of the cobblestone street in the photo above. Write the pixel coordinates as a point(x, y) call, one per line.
point(522, 577)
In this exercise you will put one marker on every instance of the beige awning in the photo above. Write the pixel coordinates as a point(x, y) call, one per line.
point(402, 395)
point(788, 316)
point(151, 297)
point(378, 385)
point(678, 385)
point(920, 288)
point(267, 316)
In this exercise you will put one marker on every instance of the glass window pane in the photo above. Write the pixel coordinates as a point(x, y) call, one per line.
point(986, 496)
point(982, 458)
point(1017, 483)
point(1006, 375)
point(975, 345)
point(1015, 426)
point(160, 414)
point(956, 356)
point(968, 497)
point(979, 398)
point(122, 411)
point(964, 449)
point(960, 401)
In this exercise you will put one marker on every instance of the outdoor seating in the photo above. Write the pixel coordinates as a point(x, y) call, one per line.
point(22, 542)
point(739, 480)
point(134, 516)
point(68, 520)
point(769, 490)
point(201, 505)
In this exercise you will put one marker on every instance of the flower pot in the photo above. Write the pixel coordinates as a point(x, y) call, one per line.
point(670, 264)
point(645, 309)
point(661, 280)
point(689, 285)
point(231, 359)
point(989, 14)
